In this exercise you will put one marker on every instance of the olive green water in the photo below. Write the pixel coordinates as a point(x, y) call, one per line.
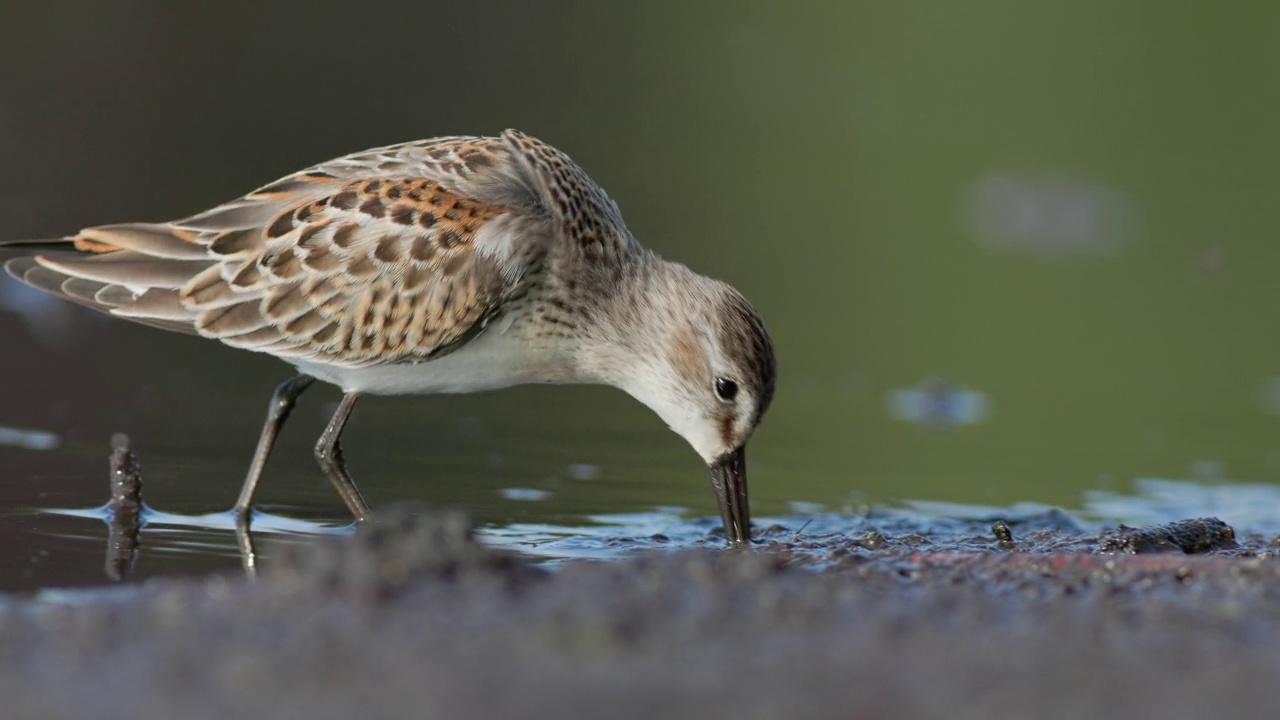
point(1007, 253)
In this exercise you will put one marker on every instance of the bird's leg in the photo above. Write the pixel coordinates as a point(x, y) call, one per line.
point(329, 455)
point(282, 402)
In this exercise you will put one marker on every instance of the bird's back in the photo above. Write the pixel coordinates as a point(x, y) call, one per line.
point(392, 255)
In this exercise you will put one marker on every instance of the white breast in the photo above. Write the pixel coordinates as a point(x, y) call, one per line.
point(491, 361)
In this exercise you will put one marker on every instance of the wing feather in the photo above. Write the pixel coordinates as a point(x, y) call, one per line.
point(395, 254)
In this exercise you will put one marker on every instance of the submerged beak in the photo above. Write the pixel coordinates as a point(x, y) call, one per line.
point(729, 478)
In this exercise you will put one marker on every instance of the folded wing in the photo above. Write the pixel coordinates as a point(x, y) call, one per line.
point(393, 255)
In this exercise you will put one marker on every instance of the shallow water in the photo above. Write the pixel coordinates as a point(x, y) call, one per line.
point(554, 472)
point(60, 545)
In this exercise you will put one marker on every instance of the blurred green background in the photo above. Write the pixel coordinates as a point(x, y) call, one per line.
point(1007, 251)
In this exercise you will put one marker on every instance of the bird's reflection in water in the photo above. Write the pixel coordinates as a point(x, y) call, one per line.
point(126, 515)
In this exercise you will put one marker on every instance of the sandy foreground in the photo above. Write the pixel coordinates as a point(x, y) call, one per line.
point(412, 618)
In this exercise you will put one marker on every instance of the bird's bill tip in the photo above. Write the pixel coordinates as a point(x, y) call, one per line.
point(729, 478)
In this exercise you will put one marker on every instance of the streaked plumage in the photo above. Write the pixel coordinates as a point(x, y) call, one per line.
point(447, 265)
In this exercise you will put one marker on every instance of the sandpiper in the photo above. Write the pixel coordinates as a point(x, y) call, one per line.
point(449, 265)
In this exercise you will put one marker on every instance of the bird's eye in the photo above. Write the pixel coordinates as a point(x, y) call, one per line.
point(726, 389)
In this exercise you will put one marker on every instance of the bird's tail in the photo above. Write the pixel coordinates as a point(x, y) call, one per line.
point(109, 269)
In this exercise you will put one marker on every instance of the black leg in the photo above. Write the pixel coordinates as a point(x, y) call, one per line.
point(329, 455)
point(282, 402)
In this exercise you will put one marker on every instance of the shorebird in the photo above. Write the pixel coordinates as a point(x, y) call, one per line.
point(449, 265)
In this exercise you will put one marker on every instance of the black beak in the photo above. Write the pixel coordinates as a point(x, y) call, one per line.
point(729, 478)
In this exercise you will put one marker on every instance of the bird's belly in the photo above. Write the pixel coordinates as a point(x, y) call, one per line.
point(488, 362)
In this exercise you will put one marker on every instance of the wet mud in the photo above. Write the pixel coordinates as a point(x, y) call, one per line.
point(412, 617)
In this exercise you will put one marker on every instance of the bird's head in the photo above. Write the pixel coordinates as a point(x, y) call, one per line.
point(709, 372)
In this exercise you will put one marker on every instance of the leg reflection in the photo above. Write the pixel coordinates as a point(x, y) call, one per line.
point(124, 512)
point(244, 540)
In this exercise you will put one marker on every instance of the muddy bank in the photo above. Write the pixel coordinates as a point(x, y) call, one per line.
point(411, 617)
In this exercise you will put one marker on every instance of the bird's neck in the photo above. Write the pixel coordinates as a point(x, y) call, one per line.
point(635, 322)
